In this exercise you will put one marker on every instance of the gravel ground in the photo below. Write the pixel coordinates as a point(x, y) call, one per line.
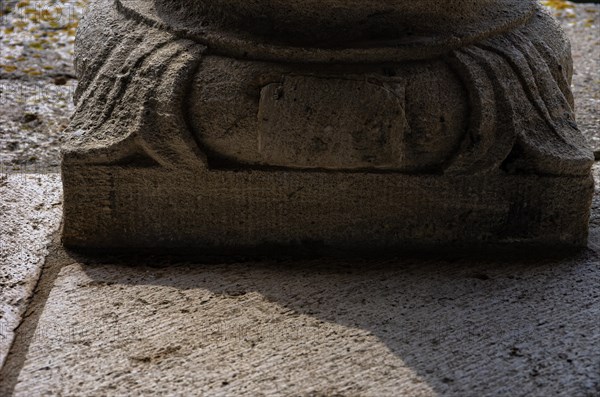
point(36, 80)
point(37, 77)
point(582, 24)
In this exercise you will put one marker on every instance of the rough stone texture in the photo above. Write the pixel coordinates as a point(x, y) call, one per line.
point(421, 327)
point(270, 137)
point(581, 22)
point(30, 210)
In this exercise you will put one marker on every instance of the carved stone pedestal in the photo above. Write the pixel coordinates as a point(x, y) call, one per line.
point(232, 125)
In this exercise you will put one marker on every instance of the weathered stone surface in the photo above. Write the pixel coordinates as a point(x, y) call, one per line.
point(450, 327)
point(30, 210)
point(439, 121)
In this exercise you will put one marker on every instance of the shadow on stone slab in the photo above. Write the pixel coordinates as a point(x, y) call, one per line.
point(315, 251)
point(528, 322)
point(475, 326)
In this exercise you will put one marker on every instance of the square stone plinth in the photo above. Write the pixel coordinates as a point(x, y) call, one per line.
point(225, 211)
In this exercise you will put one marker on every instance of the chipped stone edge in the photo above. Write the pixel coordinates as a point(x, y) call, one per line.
point(31, 216)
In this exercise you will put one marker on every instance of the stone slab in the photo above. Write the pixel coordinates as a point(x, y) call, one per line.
point(30, 211)
point(453, 327)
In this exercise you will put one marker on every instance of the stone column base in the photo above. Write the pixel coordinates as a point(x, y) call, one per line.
point(435, 124)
